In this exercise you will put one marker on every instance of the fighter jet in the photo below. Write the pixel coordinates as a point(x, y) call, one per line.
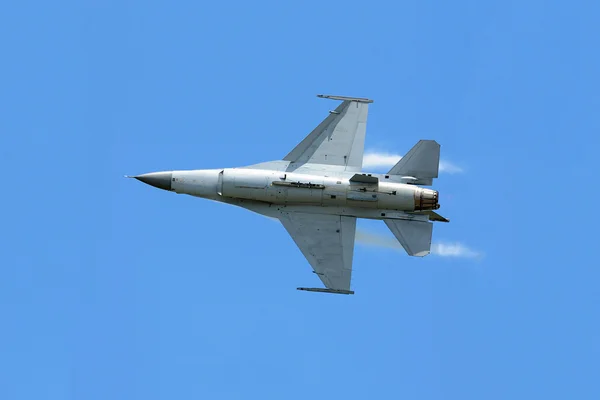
point(318, 191)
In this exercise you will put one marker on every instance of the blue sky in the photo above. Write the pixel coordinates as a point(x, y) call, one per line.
point(110, 289)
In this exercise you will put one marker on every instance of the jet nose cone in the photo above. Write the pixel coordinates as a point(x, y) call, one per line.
point(161, 180)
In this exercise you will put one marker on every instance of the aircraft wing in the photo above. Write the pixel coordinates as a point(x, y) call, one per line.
point(339, 139)
point(327, 242)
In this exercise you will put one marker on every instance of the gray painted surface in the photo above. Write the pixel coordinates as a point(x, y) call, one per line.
point(327, 242)
point(317, 195)
point(161, 180)
point(338, 140)
point(421, 162)
point(414, 236)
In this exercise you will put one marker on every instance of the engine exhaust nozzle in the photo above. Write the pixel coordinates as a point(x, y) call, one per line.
point(426, 199)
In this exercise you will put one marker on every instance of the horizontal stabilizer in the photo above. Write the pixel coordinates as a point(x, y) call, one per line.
point(364, 178)
point(421, 162)
point(320, 290)
point(414, 236)
point(433, 216)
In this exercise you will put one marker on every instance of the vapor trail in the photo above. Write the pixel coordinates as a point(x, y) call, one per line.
point(442, 249)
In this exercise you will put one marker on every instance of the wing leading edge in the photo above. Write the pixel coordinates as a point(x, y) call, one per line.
point(339, 139)
point(327, 242)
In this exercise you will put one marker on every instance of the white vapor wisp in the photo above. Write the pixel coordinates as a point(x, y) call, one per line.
point(442, 249)
point(373, 159)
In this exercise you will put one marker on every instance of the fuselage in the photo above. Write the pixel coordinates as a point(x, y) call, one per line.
point(292, 189)
point(318, 190)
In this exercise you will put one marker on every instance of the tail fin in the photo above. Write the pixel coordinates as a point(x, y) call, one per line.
point(421, 162)
point(414, 236)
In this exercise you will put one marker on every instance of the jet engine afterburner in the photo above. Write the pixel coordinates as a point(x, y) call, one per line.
point(426, 199)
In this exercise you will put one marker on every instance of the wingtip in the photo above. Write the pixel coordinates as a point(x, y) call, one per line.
point(345, 98)
point(322, 290)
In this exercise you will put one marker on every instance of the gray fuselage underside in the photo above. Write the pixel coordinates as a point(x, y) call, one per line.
point(268, 188)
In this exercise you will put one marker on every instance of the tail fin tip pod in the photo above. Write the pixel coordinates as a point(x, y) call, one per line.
point(421, 162)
